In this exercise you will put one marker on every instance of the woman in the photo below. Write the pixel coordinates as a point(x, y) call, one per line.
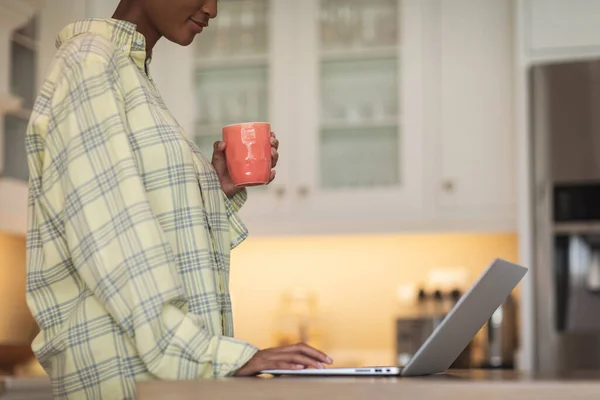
point(130, 227)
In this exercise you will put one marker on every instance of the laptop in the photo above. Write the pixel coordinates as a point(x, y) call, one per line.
point(451, 337)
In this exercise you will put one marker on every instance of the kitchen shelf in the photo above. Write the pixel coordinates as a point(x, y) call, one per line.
point(25, 41)
point(21, 113)
point(9, 103)
point(233, 61)
point(355, 158)
point(208, 129)
point(387, 122)
point(360, 53)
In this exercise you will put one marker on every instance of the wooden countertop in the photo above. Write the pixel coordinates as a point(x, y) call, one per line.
point(25, 388)
point(463, 385)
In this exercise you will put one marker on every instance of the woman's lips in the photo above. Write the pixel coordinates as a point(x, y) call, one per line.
point(199, 25)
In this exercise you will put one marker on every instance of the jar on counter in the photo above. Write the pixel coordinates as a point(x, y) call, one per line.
point(297, 319)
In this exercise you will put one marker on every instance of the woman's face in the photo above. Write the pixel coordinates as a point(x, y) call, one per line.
point(181, 20)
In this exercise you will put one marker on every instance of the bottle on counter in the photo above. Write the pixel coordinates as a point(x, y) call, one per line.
point(423, 303)
point(408, 304)
point(450, 300)
point(429, 305)
point(297, 319)
point(438, 303)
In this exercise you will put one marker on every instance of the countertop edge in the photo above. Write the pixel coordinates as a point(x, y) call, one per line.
point(372, 389)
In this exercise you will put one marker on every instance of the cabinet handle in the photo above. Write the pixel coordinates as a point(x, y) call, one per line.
point(303, 191)
point(448, 186)
point(280, 192)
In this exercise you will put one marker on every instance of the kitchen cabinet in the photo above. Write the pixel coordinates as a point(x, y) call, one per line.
point(561, 29)
point(475, 140)
point(345, 157)
point(18, 34)
point(359, 137)
point(387, 115)
point(387, 121)
point(393, 115)
point(28, 30)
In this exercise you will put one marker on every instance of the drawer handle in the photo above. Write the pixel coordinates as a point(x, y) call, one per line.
point(303, 191)
point(448, 186)
point(280, 192)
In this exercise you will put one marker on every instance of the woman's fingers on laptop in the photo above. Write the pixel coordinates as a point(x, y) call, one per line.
point(297, 359)
point(298, 356)
point(308, 351)
point(286, 365)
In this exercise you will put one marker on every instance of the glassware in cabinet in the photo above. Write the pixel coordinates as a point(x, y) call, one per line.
point(346, 24)
point(240, 29)
point(359, 80)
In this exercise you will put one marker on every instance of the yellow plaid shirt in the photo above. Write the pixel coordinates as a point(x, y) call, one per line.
point(129, 233)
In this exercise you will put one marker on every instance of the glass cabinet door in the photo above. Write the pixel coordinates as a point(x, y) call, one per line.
point(242, 75)
point(363, 104)
point(232, 69)
point(359, 129)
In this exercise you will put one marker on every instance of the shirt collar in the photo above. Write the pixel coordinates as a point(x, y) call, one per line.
point(123, 34)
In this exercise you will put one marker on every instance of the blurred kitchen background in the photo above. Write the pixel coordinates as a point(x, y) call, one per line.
point(420, 139)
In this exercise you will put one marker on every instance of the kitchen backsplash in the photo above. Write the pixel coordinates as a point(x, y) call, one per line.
point(355, 279)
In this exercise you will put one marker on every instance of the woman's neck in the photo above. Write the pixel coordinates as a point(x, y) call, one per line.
point(131, 11)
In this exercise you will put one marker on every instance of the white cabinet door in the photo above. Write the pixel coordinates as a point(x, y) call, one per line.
point(560, 29)
point(476, 141)
point(358, 113)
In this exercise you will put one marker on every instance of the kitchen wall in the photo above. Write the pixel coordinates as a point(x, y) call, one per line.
point(16, 323)
point(355, 278)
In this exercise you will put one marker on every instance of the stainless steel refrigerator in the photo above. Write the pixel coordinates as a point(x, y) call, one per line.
point(565, 135)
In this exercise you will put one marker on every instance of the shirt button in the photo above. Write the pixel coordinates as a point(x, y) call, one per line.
point(139, 42)
point(125, 48)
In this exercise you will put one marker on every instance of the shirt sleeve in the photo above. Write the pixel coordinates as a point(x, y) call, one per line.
point(238, 199)
point(115, 240)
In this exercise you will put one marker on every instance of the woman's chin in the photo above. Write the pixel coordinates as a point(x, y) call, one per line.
point(185, 37)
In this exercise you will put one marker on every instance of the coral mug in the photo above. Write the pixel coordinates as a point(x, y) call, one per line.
point(248, 153)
